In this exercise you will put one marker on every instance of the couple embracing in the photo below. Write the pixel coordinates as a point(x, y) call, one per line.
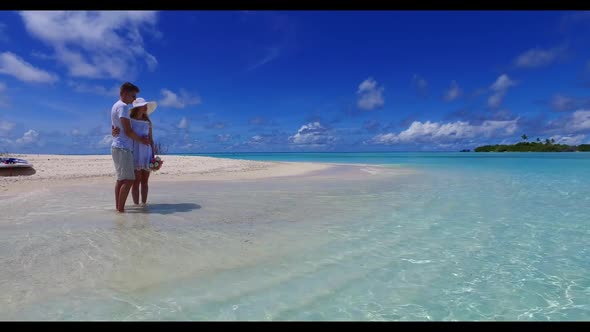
point(133, 145)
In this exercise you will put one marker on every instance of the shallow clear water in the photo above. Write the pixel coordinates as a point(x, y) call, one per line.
point(466, 237)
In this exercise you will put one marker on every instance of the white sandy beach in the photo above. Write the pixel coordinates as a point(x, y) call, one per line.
point(50, 170)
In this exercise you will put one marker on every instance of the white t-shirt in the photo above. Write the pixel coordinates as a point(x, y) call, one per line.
point(120, 110)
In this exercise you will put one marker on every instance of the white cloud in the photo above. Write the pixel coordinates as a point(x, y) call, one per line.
point(537, 57)
point(312, 133)
point(13, 65)
point(576, 122)
point(453, 92)
point(420, 82)
point(223, 137)
point(94, 89)
point(502, 83)
point(29, 137)
point(420, 132)
point(562, 103)
point(268, 139)
point(75, 132)
point(258, 121)
point(271, 54)
point(183, 124)
point(370, 95)
point(580, 120)
point(495, 100)
point(569, 140)
point(6, 127)
point(106, 141)
point(257, 139)
point(42, 56)
point(3, 143)
point(500, 86)
point(77, 65)
point(421, 85)
point(263, 139)
point(151, 61)
point(171, 99)
point(95, 44)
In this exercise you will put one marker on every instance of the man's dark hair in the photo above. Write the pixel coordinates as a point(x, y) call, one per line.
point(128, 87)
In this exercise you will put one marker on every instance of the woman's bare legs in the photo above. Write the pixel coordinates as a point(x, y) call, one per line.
point(135, 188)
point(145, 175)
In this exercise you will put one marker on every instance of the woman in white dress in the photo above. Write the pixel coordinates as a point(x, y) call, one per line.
point(142, 154)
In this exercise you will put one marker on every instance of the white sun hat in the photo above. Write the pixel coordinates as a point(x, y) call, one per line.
point(151, 105)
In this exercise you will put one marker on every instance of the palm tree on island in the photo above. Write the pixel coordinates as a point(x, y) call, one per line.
point(547, 145)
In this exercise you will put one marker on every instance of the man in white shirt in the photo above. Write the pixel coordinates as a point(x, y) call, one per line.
point(122, 146)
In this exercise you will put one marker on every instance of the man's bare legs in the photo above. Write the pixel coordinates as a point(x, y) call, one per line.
point(123, 193)
point(118, 185)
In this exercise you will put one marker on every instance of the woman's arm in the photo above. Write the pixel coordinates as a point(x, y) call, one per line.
point(152, 141)
point(126, 123)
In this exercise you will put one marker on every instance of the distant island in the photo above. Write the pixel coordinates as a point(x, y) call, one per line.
point(539, 146)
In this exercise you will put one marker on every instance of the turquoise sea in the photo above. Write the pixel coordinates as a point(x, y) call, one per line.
point(462, 236)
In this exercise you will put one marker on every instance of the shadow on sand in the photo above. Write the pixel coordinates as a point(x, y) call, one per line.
point(17, 171)
point(163, 208)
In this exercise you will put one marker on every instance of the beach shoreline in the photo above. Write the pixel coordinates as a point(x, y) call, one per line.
point(51, 170)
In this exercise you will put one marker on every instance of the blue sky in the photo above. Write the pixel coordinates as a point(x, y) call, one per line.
point(296, 80)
